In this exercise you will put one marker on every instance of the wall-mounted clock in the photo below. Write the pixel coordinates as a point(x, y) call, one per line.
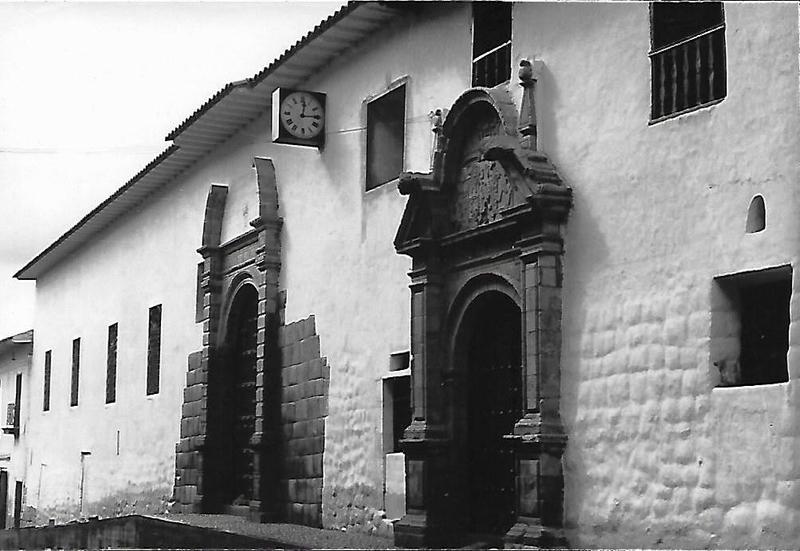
point(298, 117)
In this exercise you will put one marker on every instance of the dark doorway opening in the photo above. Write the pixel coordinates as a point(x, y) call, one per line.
point(490, 338)
point(232, 399)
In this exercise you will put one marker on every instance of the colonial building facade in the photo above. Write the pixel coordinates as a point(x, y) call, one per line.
point(15, 368)
point(538, 265)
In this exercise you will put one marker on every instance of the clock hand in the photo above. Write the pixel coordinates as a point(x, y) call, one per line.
point(303, 103)
point(302, 116)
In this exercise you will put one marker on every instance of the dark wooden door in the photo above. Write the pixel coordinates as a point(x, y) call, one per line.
point(229, 466)
point(494, 403)
point(242, 398)
point(17, 503)
point(3, 498)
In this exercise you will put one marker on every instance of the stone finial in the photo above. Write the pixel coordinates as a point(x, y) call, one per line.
point(529, 73)
point(437, 123)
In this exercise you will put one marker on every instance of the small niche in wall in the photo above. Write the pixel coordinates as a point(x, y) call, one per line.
point(756, 215)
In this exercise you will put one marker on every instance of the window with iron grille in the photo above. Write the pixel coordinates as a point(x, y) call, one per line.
point(386, 137)
point(491, 43)
point(111, 365)
point(76, 366)
point(153, 349)
point(687, 59)
point(47, 366)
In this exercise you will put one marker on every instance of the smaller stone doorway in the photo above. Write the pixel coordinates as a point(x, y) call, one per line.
point(232, 392)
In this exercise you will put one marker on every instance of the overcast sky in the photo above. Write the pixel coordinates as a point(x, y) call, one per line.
point(89, 90)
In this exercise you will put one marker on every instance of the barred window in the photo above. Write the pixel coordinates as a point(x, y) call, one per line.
point(153, 349)
point(491, 43)
point(687, 59)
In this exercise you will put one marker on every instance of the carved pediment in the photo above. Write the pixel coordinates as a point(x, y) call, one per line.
point(482, 175)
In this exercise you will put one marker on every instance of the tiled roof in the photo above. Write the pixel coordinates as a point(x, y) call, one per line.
point(223, 115)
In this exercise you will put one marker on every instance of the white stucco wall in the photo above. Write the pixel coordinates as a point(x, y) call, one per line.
point(657, 456)
point(338, 263)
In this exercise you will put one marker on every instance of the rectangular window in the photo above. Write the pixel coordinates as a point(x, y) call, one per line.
point(386, 137)
point(111, 365)
point(687, 58)
point(153, 349)
point(396, 401)
point(491, 43)
point(750, 327)
point(76, 366)
point(17, 403)
point(47, 366)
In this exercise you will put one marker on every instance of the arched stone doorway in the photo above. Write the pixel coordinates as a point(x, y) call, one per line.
point(484, 232)
point(489, 343)
point(232, 406)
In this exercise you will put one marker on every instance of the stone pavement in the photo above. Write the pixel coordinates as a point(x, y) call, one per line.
point(291, 535)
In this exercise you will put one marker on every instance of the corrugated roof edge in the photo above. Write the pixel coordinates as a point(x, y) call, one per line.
point(26, 337)
point(139, 175)
point(264, 73)
point(250, 82)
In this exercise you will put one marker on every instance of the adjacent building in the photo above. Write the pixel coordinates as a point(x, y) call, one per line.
point(15, 368)
point(538, 264)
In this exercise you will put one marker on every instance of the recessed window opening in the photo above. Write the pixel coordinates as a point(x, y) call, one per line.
point(47, 369)
point(491, 43)
point(396, 412)
point(750, 327)
point(76, 366)
point(111, 365)
point(756, 215)
point(385, 137)
point(687, 59)
point(153, 349)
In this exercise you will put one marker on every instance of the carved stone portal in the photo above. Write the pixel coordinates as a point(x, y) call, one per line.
point(483, 229)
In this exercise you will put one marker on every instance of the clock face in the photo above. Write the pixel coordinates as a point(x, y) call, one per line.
point(302, 115)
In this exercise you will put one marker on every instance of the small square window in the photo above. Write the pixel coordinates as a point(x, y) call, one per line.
point(687, 58)
point(386, 137)
point(491, 43)
point(750, 327)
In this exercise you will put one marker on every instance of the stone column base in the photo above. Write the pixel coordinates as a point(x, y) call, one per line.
point(528, 533)
point(414, 530)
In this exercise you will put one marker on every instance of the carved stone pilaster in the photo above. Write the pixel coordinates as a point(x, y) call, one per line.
point(189, 476)
point(266, 441)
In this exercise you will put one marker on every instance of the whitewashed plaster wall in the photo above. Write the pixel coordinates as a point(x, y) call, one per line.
point(659, 211)
point(338, 263)
point(14, 451)
point(658, 457)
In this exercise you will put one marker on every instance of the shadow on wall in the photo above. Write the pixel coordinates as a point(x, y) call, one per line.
point(584, 250)
point(547, 97)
